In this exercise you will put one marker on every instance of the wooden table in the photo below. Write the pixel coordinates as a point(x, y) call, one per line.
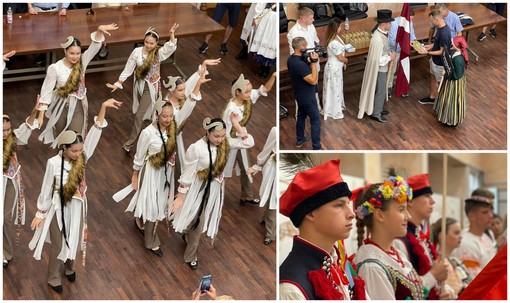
point(481, 15)
point(43, 33)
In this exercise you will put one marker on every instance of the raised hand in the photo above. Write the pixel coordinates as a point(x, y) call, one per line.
point(6, 56)
point(174, 28)
point(211, 62)
point(105, 29)
point(112, 103)
point(113, 87)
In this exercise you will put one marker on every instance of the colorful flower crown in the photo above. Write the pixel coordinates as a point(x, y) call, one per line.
point(393, 188)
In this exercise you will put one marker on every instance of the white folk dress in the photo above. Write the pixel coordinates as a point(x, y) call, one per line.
point(184, 112)
point(266, 162)
point(264, 44)
point(255, 10)
point(150, 201)
point(239, 110)
point(382, 274)
point(152, 79)
point(197, 159)
point(13, 174)
point(56, 77)
point(75, 211)
point(333, 91)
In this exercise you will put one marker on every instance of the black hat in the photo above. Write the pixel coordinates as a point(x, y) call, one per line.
point(383, 16)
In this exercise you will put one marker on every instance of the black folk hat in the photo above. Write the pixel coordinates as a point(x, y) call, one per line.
point(383, 16)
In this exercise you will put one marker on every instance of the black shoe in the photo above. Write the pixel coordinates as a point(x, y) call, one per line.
point(404, 95)
point(379, 119)
point(481, 37)
point(6, 263)
point(389, 92)
point(223, 49)
point(493, 33)
point(385, 112)
point(72, 277)
point(301, 143)
point(57, 288)
point(203, 48)
point(249, 201)
point(427, 100)
point(157, 252)
point(103, 52)
point(193, 265)
point(267, 241)
point(126, 149)
point(243, 54)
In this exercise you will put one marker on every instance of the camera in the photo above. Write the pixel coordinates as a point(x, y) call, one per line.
point(320, 50)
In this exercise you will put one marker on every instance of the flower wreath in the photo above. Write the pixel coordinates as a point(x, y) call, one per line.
point(393, 188)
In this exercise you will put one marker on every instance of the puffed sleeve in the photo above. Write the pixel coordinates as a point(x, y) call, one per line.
point(45, 197)
point(50, 81)
point(93, 49)
point(167, 50)
point(256, 93)
point(266, 152)
point(24, 131)
point(246, 141)
point(377, 282)
point(130, 66)
point(192, 82)
point(142, 148)
point(226, 117)
point(190, 164)
point(95, 132)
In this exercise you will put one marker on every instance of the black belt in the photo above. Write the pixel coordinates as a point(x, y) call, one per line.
point(47, 8)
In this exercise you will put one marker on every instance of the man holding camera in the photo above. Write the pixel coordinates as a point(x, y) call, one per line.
point(373, 89)
point(304, 77)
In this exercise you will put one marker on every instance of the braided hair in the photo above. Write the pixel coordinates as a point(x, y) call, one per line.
point(367, 221)
point(167, 184)
point(79, 139)
point(205, 197)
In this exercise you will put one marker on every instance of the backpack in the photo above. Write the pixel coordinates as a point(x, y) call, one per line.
point(320, 11)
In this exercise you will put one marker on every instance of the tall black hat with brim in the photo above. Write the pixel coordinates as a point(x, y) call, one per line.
point(383, 16)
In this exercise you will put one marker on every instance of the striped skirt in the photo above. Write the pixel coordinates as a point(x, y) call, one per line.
point(450, 104)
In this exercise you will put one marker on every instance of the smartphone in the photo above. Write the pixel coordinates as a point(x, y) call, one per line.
point(205, 283)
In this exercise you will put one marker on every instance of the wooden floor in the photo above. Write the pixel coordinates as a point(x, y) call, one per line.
point(118, 267)
point(413, 126)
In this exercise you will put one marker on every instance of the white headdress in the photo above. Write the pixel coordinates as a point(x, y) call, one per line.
point(152, 30)
point(158, 106)
point(171, 84)
point(68, 42)
point(239, 84)
point(66, 137)
point(207, 125)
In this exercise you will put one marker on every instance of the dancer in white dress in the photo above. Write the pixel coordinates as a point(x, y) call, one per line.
point(266, 163)
point(333, 91)
point(184, 96)
point(264, 44)
point(12, 186)
point(243, 98)
point(145, 62)
point(249, 23)
point(63, 93)
point(198, 205)
point(153, 178)
point(61, 218)
point(381, 208)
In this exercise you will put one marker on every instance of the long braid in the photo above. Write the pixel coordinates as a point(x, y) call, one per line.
point(207, 186)
point(167, 184)
point(361, 231)
point(62, 202)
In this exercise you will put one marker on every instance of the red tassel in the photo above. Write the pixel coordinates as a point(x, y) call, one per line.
point(323, 286)
point(359, 289)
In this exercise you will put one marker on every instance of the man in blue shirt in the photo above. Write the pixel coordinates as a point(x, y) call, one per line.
point(450, 18)
point(304, 78)
point(34, 8)
point(441, 41)
point(392, 35)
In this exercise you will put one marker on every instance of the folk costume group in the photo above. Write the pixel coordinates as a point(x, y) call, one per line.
point(163, 167)
point(395, 260)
